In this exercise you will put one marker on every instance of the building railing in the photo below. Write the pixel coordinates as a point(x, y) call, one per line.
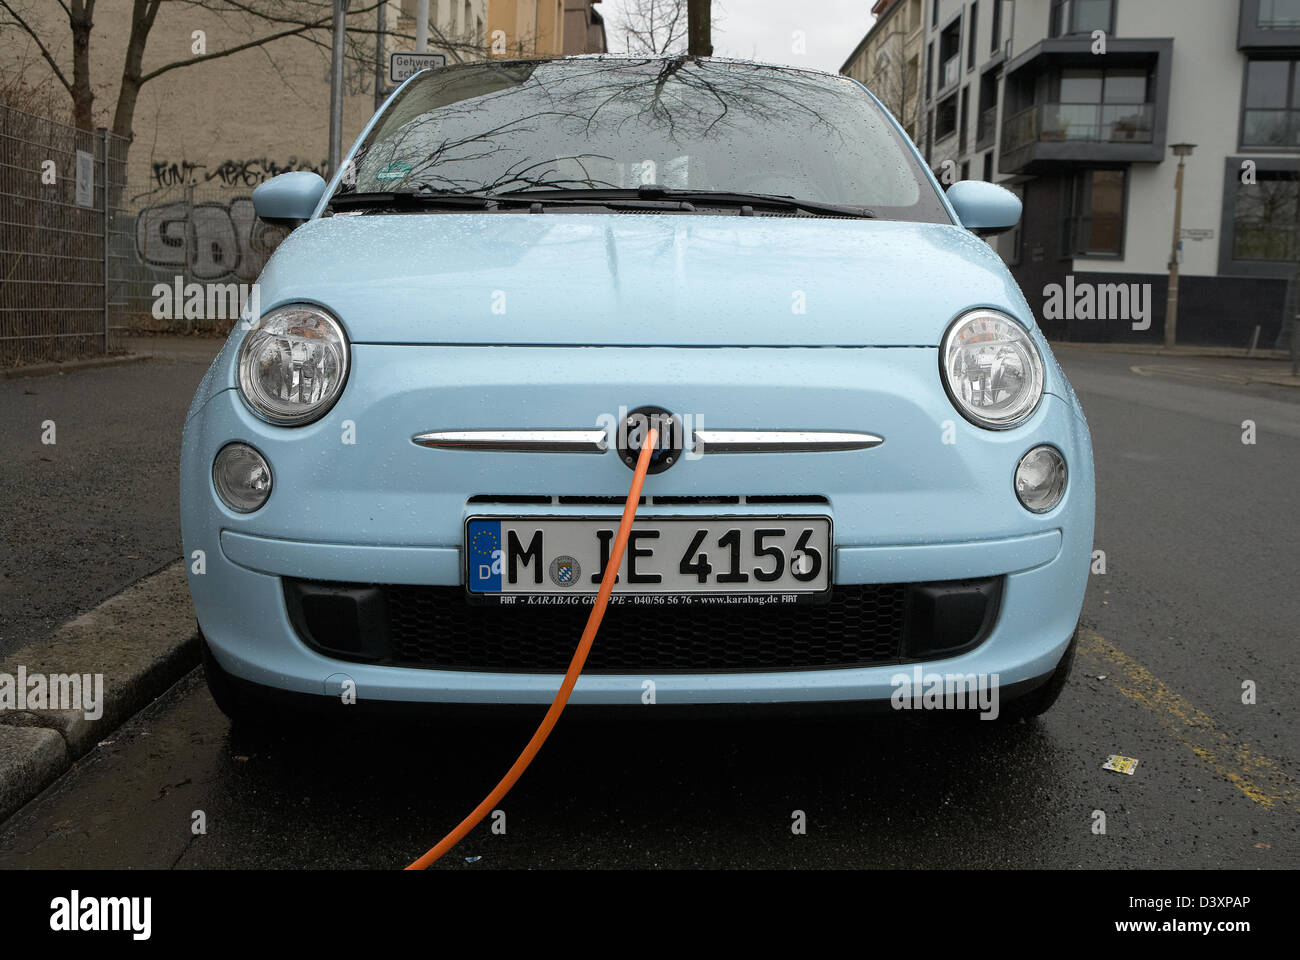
point(986, 127)
point(1079, 122)
point(950, 73)
point(1278, 15)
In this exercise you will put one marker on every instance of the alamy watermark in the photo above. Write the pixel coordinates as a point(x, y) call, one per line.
point(54, 691)
point(179, 300)
point(1130, 302)
point(946, 691)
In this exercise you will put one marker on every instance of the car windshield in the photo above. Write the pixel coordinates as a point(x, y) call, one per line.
point(702, 126)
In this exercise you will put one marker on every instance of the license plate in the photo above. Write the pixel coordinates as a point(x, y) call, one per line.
point(773, 559)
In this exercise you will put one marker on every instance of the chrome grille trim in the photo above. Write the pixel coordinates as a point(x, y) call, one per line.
point(596, 441)
point(782, 441)
point(515, 441)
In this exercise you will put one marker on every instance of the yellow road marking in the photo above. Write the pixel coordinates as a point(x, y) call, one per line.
point(1259, 777)
point(1169, 370)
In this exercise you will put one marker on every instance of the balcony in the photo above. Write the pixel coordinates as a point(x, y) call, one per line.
point(1075, 122)
point(1039, 134)
point(1269, 25)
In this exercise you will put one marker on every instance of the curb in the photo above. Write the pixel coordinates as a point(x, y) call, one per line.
point(46, 369)
point(141, 640)
point(1156, 350)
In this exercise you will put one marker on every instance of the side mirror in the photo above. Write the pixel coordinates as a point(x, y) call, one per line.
point(984, 208)
point(288, 199)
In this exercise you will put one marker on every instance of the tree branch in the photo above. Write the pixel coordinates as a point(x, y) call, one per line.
point(44, 53)
point(176, 65)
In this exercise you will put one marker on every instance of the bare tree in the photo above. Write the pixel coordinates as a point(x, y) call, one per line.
point(895, 81)
point(700, 27)
point(264, 22)
point(654, 27)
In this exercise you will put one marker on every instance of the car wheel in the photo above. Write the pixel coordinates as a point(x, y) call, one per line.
point(1039, 701)
point(241, 711)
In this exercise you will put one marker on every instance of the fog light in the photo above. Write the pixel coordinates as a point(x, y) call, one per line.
point(1040, 479)
point(242, 477)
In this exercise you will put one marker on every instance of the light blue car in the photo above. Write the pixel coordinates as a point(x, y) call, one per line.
point(401, 476)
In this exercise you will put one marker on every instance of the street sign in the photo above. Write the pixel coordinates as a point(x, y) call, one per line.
point(401, 66)
point(85, 194)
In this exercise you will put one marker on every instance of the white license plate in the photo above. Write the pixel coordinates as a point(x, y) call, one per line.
point(668, 559)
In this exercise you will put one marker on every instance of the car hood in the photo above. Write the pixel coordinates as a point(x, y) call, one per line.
point(639, 279)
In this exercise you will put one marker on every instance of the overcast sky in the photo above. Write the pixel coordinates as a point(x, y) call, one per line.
point(765, 29)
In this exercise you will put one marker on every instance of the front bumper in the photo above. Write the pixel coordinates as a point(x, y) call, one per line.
point(923, 507)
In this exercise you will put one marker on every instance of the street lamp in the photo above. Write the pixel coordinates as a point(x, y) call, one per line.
point(336, 84)
point(1182, 151)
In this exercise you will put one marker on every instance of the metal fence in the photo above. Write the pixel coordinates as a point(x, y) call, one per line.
point(84, 254)
point(201, 240)
point(61, 191)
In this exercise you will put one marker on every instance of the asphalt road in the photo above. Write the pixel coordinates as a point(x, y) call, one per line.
point(1199, 596)
point(87, 515)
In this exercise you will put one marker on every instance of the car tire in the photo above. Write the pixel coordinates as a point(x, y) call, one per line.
point(230, 701)
point(1038, 701)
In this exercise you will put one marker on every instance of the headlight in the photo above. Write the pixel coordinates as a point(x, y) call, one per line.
point(992, 369)
point(1040, 479)
point(292, 367)
point(242, 477)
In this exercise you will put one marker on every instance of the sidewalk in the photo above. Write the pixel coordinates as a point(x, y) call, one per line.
point(1227, 363)
point(173, 347)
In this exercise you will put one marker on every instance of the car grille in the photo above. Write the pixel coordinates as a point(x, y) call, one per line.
point(860, 625)
point(434, 627)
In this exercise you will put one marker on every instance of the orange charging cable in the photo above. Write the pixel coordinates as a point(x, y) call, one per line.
point(570, 678)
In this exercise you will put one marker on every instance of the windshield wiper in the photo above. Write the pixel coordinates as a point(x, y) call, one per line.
point(721, 197)
point(407, 201)
point(424, 199)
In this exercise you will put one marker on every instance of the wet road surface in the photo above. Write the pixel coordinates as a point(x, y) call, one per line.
point(1199, 597)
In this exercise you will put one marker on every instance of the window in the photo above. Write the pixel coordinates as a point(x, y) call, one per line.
point(1107, 106)
point(1278, 15)
point(945, 118)
point(986, 119)
point(963, 114)
point(1266, 218)
point(1082, 16)
point(929, 72)
point(970, 38)
point(1272, 114)
point(988, 166)
point(950, 55)
point(1093, 225)
point(997, 26)
point(934, 14)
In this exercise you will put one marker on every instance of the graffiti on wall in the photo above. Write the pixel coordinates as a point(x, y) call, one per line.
point(229, 173)
point(206, 241)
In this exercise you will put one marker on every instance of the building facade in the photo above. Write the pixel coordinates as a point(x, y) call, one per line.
point(208, 132)
point(888, 60)
point(1076, 104)
point(544, 28)
point(584, 28)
